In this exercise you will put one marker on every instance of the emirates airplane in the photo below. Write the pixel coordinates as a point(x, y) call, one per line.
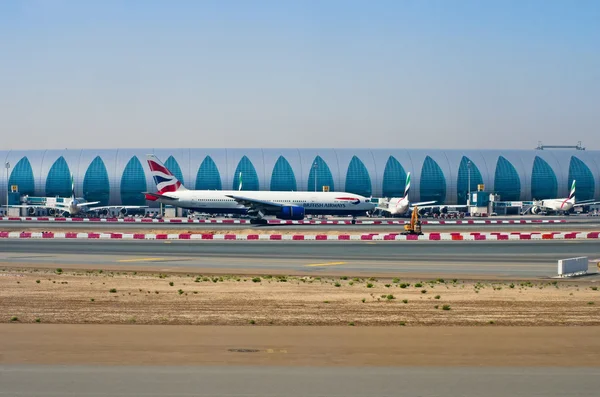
point(257, 204)
point(558, 205)
point(396, 206)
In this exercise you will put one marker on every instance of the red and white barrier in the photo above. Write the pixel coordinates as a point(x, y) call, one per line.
point(474, 236)
point(283, 222)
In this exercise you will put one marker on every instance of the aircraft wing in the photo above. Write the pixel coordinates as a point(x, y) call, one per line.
point(120, 207)
point(259, 204)
point(156, 196)
point(581, 204)
point(86, 204)
point(424, 204)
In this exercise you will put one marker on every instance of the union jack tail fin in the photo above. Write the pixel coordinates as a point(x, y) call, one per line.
point(407, 187)
point(165, 181)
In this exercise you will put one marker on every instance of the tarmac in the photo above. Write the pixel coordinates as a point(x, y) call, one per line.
point(508, 259)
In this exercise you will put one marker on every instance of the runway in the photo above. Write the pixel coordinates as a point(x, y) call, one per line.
point(499, 259)
point(233, 381)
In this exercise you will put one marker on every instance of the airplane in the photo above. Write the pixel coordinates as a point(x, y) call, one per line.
point(257, 204)
point(401, 205)
point(69, 206)
point(564, 205)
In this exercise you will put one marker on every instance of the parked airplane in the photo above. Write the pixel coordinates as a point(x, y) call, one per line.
point(401, 205)
point(564, 205)
point(257, 204)
point(69, 206)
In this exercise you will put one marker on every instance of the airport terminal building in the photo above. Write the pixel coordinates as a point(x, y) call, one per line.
point(120, 176)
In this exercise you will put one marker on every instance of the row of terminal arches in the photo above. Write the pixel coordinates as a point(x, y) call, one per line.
point(433, 184)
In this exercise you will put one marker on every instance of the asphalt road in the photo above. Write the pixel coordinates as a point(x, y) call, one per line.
point(499, 258)
point(231, 381)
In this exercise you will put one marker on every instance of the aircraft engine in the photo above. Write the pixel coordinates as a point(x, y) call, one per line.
point(535, 210)
point(105, 212)
point(443, 210)
point(31, 211)
point(51, 212)
point(123, 211)
point(292, 213)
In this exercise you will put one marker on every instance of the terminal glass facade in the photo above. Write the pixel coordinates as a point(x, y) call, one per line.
point(133, 183)
point(507, 183)
point(394, 178)
point(543, 180)
point(584, 179)
point(208, 176)
point(58, 182)
point(248, 175)
point(433, 182)
point(96, 185)
point(22, 176)
point(357, 178)
point(282, 178)
point(319, 176)
point(462, 184)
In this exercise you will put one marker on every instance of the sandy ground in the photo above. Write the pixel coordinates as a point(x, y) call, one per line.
point(94, 297)
point(299, 346)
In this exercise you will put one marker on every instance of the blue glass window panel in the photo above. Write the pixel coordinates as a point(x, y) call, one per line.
point(133, 183)
point(173, 166)
point(22, 176)
point(58, 182)
point(208, 176)
point(282, 178)
point(249, 176)
point(585, 185)
point(96, 186)
point(433, 182)
point(358, 180)
point(394, 178)
point(507, 183)
point(319, 176)
point(543, 180)
point(462, 183)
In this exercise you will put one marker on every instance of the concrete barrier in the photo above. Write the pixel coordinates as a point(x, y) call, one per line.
point(573, 266)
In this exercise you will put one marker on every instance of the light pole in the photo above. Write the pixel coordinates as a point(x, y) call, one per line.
point(7, 165)
point(469, 183)
point(315, 168)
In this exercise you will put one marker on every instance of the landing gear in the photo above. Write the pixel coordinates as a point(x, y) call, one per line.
point(353, 221)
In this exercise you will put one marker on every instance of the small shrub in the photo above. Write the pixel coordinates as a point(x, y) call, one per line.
point(511, 285)
point(351, 324)
point(437, 297)
point(446, 307)
point(256, 280)
point(404, 300)
point(436, 306)
point(356, 279)
point(38, 281)
point(363, 300)
point(344, 278)
point(338, 285)
point(325, 301)
point(369, 285)
point(171, 283)
point(59, 270)
point(388, 285)
point(396, 280)
point(383, 296)
point(402, 323)
point(404, 285)
point(590, 303)
point(492, 322)
point(351, 283)
point(390, 297)
point(92, 299)
point(418, 285)
point(113, 290)
point(594, 288)
point(38, 320)
point(423, 291)
point(14, 319)
point(441, 281)
point(156, 292)
point(454, 280)
point(252, 322)
point(180, 292)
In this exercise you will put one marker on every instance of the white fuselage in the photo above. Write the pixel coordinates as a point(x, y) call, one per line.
point(398, 206)
point(556, 204)
point(216, 201)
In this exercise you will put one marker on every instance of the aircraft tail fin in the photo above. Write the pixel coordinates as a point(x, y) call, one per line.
point(407, 186)
point(572, 193)
point(164, 179)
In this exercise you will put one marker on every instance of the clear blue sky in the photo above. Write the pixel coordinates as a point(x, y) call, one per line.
point(443, 74)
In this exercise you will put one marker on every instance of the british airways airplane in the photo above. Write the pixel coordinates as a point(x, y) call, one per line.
point(257, 204)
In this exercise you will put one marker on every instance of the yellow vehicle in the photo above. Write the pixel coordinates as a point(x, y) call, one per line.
point(414, 227)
